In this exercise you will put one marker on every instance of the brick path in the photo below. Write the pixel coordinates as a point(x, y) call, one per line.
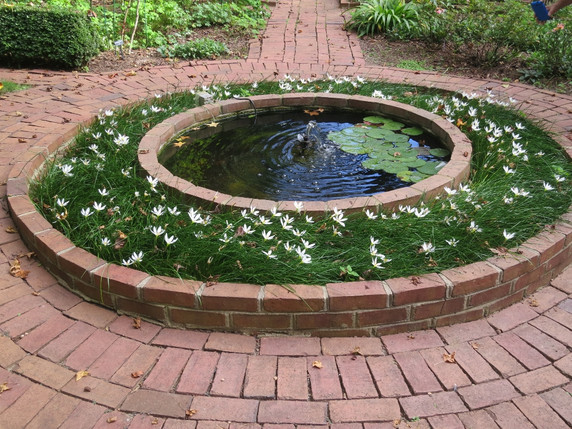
point(512, 369)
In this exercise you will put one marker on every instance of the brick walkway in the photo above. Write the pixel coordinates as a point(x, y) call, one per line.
point(512, 369)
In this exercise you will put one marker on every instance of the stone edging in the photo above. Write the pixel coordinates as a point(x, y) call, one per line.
point(456, 171)
point(358, 308)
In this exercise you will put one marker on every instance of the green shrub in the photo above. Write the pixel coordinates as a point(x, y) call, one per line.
point(380, 16)
point(50, 38)
point(195, 49)
point(553, 55)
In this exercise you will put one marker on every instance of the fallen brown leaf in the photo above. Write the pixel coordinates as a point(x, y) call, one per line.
point(111, 419)
point(191, 412)
point(11, 230)
point(80, 374)
point(475, 345)
point(317, 364)
point(4, 387)
point(131, 73)
point(136, 374)
point(357, 351)
point(411, 336)
point(533, 302)
point(155, 421)
point(449, 358)
point(137, 323)
point(17, 271)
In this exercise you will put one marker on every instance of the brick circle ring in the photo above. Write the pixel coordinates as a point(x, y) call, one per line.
point(358, 308)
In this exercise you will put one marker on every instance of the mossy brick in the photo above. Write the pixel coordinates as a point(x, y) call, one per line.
point(169, 290)
point(293, 298)
point(118, 280)
point(438, 308)
point(261, 322)
point(230, 296)
point(548, 243)
point(139, 308)
point(298, 99)
point(428, 287)
point(331, 100)
point(232, 106)
point(472, 278)
point(461, 317)
point(515, 263)
point(382, 317)
point(198, 319)
point(324, 320)
point(265, 101)
point(433, 185)
point(489, 295)
point(78, 262)
point(356, 295)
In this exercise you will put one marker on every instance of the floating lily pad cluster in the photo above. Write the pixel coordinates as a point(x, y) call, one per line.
point(389, 147)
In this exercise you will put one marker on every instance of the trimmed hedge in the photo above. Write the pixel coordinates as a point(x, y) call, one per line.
point(50, 38)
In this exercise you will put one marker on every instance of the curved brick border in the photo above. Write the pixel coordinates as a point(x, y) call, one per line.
point(360, 308)
point(456, 170)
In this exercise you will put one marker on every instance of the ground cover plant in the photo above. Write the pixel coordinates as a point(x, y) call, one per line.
point(488, 33)
point(6, 86)
point(98, 197)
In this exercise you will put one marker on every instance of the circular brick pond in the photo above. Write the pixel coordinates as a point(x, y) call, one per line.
point(353, 308)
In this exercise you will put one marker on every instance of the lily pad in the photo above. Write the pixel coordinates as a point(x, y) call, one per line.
point(354, 149)
point(375, 119)
point(440, 152)
point(392, 125)
point(417, 177)
point(414, 162)
point(354, 131)
point(378, 133)
point(430, 168)
point(412, 131)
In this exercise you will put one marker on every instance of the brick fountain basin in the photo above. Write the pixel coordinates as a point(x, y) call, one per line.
point(353, 308)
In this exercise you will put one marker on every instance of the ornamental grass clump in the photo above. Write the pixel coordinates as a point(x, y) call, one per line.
point(98, 196)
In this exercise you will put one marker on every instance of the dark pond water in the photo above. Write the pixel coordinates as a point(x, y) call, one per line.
point(273, 157)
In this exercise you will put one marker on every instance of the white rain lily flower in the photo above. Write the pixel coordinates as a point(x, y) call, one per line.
point(275, 212)
point(263, 221)
point(507, 200)
point(288, 247)
point(472, 111)
point(267, 235)
point(308, 245)
point(225, 238)
point(298, 233)
point(136, 257)
point(247, 229)
point(152, 181)
point(547, 186)
point(376, 264)
point(373, 241)
point(309, 219)
point(516, 136)
point(473, 227)
point(422, 212)
point(559, 178)
point(103, 192)
point(370, 215)
point(109, 131)
point(519, 126)
point(96, 136)
point(85, 161)
point(158, 211)
point(449, 191)
point(61, 202)
point(156, 109)
point(464, 188)
point(269, 254)
point(121, 140)
point(66, 169)
point(508, 129)
point(508, 170)
point(254, 211)
point(372, 250)
point(508, 235)
point(475, 125)
point(395, 216)
point(170, 240)
point(174, 211)
point(540, 153)
point(299, 206)
point(157, 230)
point(452, 242)
point(106, 241)
point(286, 222)
point(427, 248)
point(127, 262)
point(86, 212)
point(98, 206)
point(94, 148)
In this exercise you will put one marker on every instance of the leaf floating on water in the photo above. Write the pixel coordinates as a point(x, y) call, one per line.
point(313, 112)
point(212, 124)
point(449, 358)
point(81, 374)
